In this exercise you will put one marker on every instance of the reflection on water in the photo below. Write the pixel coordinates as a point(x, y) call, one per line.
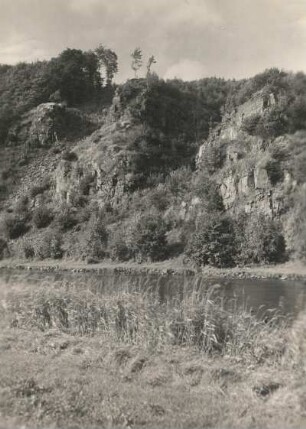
point(289, 296)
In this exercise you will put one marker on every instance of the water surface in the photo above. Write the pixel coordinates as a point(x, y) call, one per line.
point(289, 296)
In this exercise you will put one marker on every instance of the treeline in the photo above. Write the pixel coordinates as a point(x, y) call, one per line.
point(74, 77)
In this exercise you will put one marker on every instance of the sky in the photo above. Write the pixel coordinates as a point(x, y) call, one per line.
point(190, 39)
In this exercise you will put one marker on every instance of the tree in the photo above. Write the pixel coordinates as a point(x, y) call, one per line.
point(213, 242)
point(147, 238)
point(109, 60)
point(150, 62)
point(136, 60)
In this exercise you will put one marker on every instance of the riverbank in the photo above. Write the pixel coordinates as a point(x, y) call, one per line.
point(289, 271)
point(75, 359)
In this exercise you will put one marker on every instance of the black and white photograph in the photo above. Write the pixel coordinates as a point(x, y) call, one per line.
point(152, 214)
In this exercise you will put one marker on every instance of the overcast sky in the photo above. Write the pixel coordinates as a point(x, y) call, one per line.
point(189, 38)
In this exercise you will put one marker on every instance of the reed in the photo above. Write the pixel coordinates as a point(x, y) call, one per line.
point(200, 319)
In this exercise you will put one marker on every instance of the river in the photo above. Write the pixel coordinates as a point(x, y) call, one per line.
point(288, 296)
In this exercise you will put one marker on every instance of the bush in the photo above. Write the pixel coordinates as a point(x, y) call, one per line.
point(118, 249)
point(213, 242)
point(178, 181)
point(22, 205)
point(69, 156)
point(66, 219)
point(275, 171)
point(249, 124)
point(212, 158)
point(50, 246)
point(97, 239)
point(147, 238)
point(14, 226)
point(259, 240)
point(208, 191)
point(159, 198)
point(86, 183)
point(3, 248)
point(42, 217)
point(40, 189)
point(28, 249)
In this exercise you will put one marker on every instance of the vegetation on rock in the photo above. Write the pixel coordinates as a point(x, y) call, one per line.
point(163, 164)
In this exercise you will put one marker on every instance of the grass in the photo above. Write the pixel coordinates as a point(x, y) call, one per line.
point(72, 357)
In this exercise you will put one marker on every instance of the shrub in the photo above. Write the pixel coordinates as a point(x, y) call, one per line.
point(118, 249)
point(3, 248)
point(40, 189)
point(66, 219)
point(159, 198)
point(22, 205)
point(147, 238)
point(14, 226)
point(212, 158)
point(259, 240)
point(213, 242)
point(42, 217)
point(208, 191)
point(50, 246)
point(250, 123)
point(275, 171)
point(97, 238)
point(27, 249)
point(178, 181)
point(85, 184)
point(298, 224)
point(69, 156)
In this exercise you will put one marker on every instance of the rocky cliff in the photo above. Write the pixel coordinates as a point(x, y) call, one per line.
point(254, 173)
point(140, 161)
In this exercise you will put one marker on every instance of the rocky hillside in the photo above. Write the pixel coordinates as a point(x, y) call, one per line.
point(161, 173)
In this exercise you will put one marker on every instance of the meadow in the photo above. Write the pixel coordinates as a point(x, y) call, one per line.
point(72, 356)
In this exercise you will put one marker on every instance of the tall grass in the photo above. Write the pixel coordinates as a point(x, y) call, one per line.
point(200, 319)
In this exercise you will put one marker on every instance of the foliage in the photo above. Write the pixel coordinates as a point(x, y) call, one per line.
point(118, 248)
point(178, 181)
point(3, 248)
point(96, 238)
point(69, 156)
point(42, 216)
point(136, 60)
point(259, 240)
point(147, 238)
point(250, 124)
point(212, 158)
point(40, 189)
point(208, 191)
point(109, 60)
point(298, 224)
point(49, 246)
point(73, 77)
point(66, 218)
point(14, 226)
point(213, 242)
point(275, 171)
point(27, 248)
point(150, 62)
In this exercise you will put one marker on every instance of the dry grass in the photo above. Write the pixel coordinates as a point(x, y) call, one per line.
point(72, 358)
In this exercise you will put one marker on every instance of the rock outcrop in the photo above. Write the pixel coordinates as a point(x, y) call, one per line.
point(48, 123)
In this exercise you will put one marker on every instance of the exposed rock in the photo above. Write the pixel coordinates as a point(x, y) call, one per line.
point(49, 123)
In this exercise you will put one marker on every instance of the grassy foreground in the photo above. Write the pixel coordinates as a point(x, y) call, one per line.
point(72, 358)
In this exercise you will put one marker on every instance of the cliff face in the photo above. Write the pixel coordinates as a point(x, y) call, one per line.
point(254, 174)
point(103, 160)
